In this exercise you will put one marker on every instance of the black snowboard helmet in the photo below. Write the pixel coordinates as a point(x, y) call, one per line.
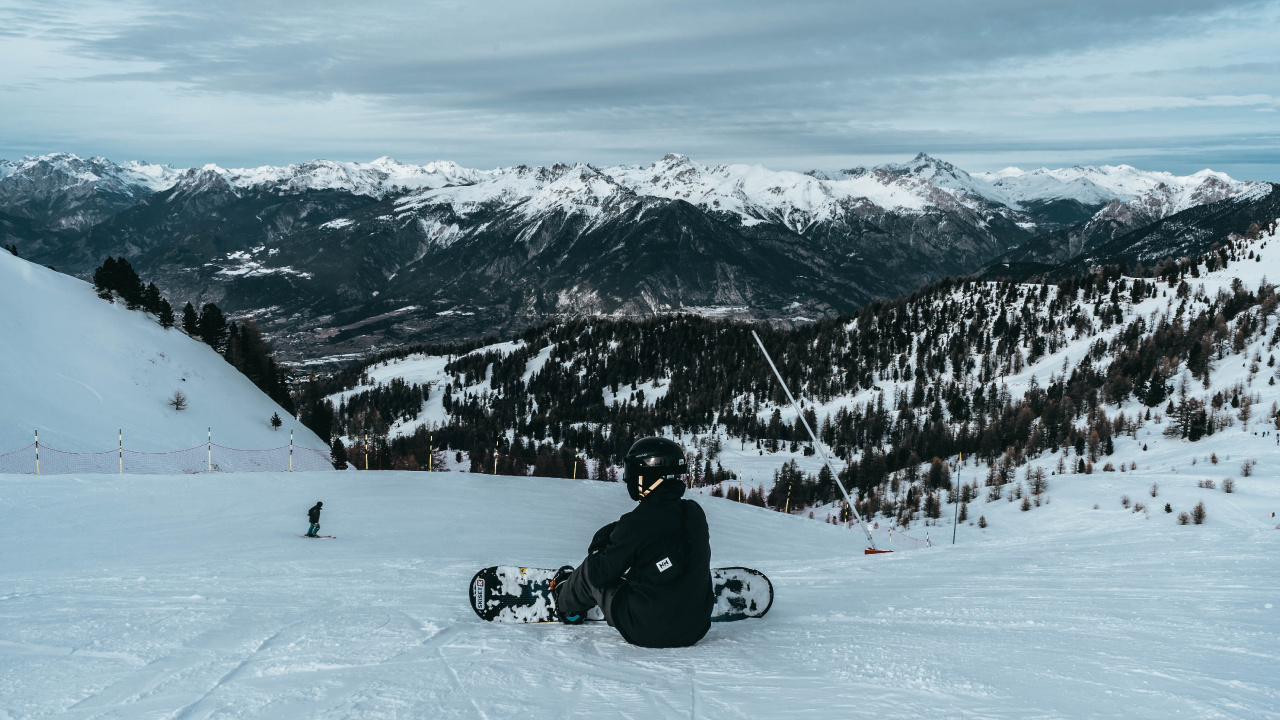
point(649, 462)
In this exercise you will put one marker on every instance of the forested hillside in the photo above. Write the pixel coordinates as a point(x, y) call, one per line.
point(1001, 372)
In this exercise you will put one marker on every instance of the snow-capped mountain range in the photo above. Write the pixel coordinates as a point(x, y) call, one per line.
point(752, 192)
point(344, 256)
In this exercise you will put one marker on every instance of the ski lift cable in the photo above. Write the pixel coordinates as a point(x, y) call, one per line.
point(818, 445)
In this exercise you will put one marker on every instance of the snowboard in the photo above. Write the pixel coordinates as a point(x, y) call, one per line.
point(513, 594)
point(320, 537)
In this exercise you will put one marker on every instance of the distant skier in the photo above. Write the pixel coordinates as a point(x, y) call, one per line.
point(649, 572)
point(314, 516)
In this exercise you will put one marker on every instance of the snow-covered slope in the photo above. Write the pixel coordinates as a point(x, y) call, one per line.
point(197, 599)
point(78, 369)
point(759, 194)
point(571, 189)
point(1163, 193)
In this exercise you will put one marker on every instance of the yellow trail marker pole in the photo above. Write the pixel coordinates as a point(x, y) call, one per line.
point(575, 468)
point(366, 451)
point(210, 448)
point(495, 456)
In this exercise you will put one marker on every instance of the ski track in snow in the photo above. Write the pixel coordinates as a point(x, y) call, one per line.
point(195, 599)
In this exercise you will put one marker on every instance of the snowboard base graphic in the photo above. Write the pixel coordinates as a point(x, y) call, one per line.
point(513, 594)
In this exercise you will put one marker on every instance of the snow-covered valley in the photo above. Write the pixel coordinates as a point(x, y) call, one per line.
point(196, 598)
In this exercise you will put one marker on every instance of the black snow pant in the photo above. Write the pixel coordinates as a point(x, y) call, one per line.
point(580, 595)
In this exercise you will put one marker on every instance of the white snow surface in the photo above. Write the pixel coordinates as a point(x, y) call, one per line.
point(79, 369)
point(197, 598)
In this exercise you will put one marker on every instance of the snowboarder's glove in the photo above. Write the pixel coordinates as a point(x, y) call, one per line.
point(602, 538)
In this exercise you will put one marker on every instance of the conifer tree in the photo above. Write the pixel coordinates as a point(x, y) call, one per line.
point(165, 314)
point(190, 321)
point(151, 299)
point(212, 327)
point(104, 278)
point(339, 454)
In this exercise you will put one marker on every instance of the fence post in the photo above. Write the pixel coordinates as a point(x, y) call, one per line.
point(431, 451)
point(290, 449)
point(210, 448)
point(495, 456)
point(37, 452)
point(121, 451)
point(366, 451)
point(575, 468)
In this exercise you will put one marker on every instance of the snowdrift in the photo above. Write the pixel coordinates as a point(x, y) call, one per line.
point(192, 596)
point(79, 369)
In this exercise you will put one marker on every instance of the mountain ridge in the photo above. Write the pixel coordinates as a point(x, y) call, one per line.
point(334, 258)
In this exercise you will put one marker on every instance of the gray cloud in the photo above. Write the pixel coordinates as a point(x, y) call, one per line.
point(1175, 83)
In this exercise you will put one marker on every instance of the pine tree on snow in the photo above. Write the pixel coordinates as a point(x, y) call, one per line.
point(190, 321)
point(212, 326)
point(339, 453)
point(165, 314)
point(151, 299)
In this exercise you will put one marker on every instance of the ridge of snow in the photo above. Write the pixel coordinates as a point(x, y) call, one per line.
point(77, 369)
point(757, 194)
point(377, 179)
point(1094, 185)
point(753, 193)
point(128, 177)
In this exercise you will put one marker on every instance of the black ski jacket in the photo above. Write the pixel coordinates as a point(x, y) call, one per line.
point(314, 514)
point(663, 576)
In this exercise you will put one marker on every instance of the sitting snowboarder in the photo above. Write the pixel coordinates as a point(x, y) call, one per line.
point(314, 516)
point(650, 572)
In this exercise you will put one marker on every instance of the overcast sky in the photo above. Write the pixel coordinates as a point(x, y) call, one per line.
point(1174, 85)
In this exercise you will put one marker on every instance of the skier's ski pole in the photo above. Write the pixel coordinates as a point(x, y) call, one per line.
point(816, 444)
